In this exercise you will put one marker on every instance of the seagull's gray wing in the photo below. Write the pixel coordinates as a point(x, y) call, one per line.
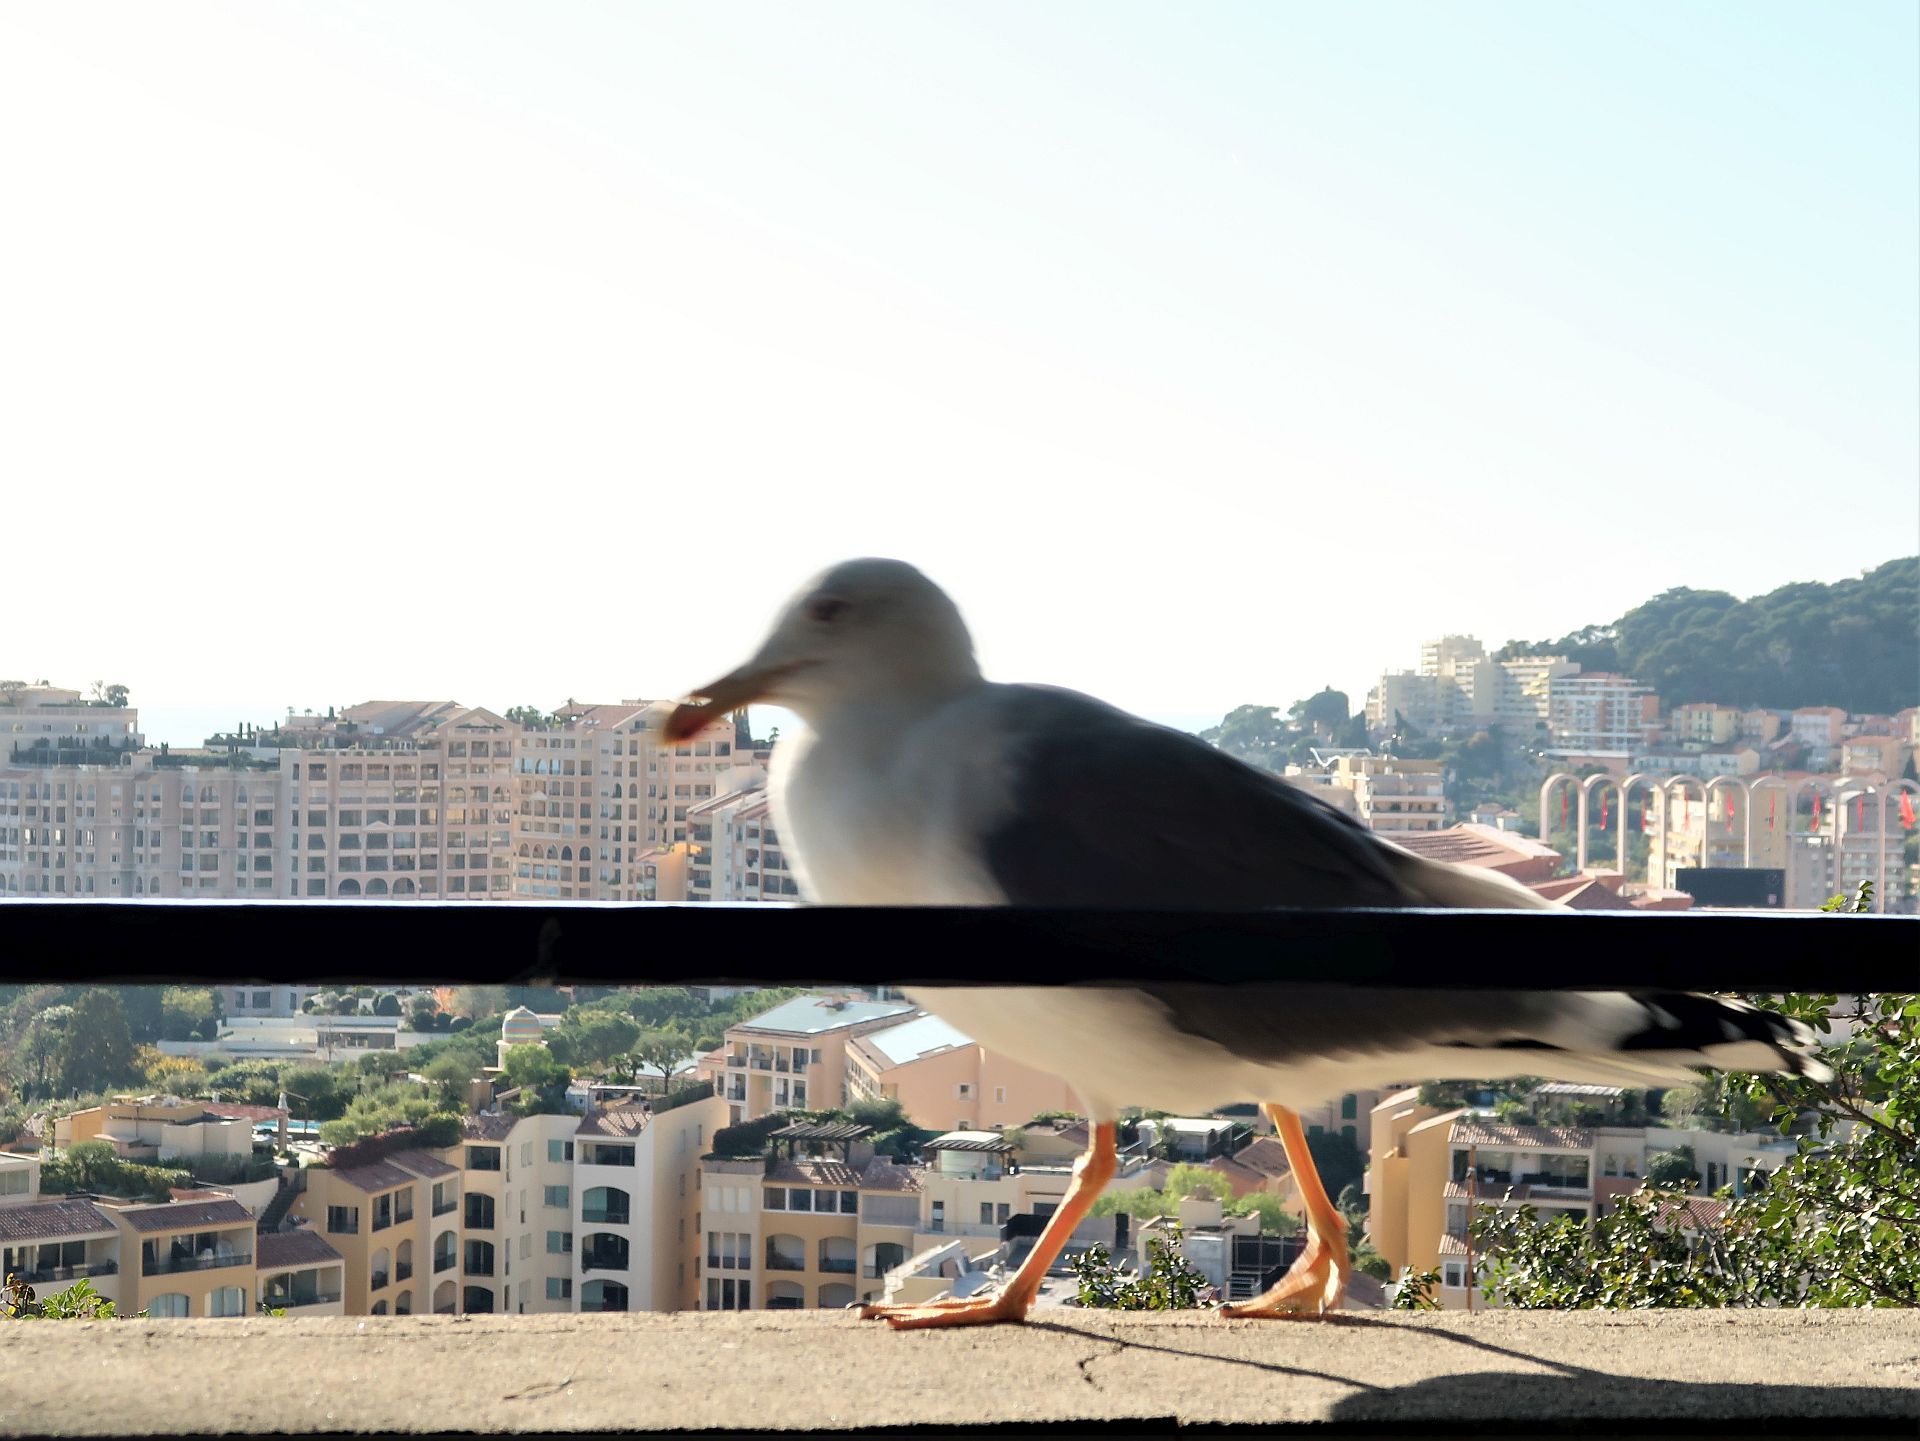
point(1111, 810)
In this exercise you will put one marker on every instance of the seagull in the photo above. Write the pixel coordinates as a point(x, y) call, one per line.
point(917, 781)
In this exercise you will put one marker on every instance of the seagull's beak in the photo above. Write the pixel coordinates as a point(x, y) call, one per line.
point(744, 686)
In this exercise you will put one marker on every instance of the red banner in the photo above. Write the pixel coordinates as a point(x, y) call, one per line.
point(1772, 801)
point(1906, 811)
point(1563, 807)
point(1606, 804)
point(1729, 807)
point(1816, 812)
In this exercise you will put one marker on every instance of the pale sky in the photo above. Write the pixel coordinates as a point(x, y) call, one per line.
point(1207, 352)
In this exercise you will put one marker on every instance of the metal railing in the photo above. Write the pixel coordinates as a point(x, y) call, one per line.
point(364, 941)
point(173, 1265)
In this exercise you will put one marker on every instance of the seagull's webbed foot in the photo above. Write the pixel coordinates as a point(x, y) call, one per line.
point(1314, 1284)
point(973, 1311)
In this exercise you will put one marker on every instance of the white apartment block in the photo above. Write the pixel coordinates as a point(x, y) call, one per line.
point(1392, 796)
point(734, 851)
point(1599, 715)
point(1458, 686)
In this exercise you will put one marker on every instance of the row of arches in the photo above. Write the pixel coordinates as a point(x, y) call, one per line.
point(553, 853)
point(1754, 804)
point(377, 887)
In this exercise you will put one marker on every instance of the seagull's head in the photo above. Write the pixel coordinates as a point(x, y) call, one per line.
point(866, 631)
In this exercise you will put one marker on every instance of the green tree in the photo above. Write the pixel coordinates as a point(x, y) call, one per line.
point(663, 1050)
point(1672, 1169)
point(1837, 1225)
point(97, 1049)
point(386, 1004)
point(1323, 712)
point(1170, 1284)
point(450, 1075)
point(1252, 733)
point(1275, 1218)
point(187, 1013)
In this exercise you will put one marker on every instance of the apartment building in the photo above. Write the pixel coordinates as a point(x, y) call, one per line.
point(1391, 796)
point(392, 1221)
point(579, 816)
point(1819, 728)
point(1459, 686)
point(793, 1056)
point(735, 852)
point(195, 1258)
point(159, 1129)
point(1703, 723)
point(1600, 717)
point(943, 1077)
point(52, 720)
point(198, 1255)
point(1431, 1167)
point(1882, 756)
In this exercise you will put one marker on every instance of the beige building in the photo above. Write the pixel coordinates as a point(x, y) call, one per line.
point(300, 1273)
point(159, 1129)
point(393, 1221)
point(185, 1258)
point(1430, 1168)
point(1884, 756)
point(1394, 797)
point(794, 1056)
point(1703, 723)
point(942, 1077)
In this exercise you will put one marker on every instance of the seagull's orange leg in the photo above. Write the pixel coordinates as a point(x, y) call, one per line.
point(1090, 1176)
point(1318, 1280)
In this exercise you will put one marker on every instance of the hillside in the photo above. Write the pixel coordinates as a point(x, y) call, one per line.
point(1855, 643)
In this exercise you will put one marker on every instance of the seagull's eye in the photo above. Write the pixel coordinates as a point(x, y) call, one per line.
point(828, 608)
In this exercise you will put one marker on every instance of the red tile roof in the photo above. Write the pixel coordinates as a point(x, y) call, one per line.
point(625, 1122)
point(1266, 1155)
point(1489, 1133)
point(275, 1249)
point(380, 1176)
point(180, 1216)
point(52, 1220)
point(422, 1164)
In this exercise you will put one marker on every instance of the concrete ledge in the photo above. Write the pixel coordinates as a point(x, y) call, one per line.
point(1623, 1371)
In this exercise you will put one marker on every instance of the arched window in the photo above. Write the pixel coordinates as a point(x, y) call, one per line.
point(349, 888)
point(227, 1301)
point(376, 887)
point(566, 853)
point(403, 887)
point(837, 1255)
point(586, 854)
point(786, 1296)
point(477, 1300)
point(836, 1297)
point(479, 1258)
point(446, 1249)
point(603, 1296)
point(403, 1304)
point(445, 1297)
point(479, 1211)
point(786, 1253)
point(603, 1251)
point(553, 853)
point(382, 1269)
point(379, 1308)
point(605, 1206)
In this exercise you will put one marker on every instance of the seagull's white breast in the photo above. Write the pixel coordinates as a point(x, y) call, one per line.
point(888, 809)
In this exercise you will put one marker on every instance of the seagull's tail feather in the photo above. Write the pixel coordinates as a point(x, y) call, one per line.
point(1651, 1038)
point(1438, 883)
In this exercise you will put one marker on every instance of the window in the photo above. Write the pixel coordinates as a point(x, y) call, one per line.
point(170, 1306)
point(775, 1198)
point(559, 1288)
point(483, 1158)
point(227, 1301)
point(559, 1243)
point(561, 1196)
point(559, 1150)
point(343, 1220)
point(480, 1212)
point(1348, 1105)
point(1456, 1275)
point(1000, 1095)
